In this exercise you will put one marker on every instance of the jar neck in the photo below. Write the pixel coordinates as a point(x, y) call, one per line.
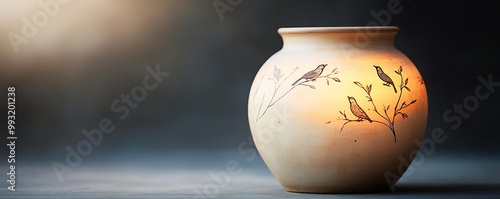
point(360, 38)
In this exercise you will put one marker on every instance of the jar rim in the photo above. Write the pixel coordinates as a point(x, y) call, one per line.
point(346, 29)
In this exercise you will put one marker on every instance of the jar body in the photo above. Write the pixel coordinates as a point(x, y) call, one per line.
point(332, 112)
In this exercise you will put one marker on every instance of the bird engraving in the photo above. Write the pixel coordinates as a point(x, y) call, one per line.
point(388, 117)
point(357, 110)
point(384, 77)
point(312, 75)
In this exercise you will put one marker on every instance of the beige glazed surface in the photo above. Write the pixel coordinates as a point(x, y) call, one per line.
point(333, 110)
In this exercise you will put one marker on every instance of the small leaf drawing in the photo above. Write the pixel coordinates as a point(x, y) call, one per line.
point(336, 79)
point(277, 73)
point(327, 82)
point(359, 84)
point(311, 86)
point(404, 115)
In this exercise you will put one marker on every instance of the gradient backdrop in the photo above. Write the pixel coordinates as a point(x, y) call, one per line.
point(90, 52)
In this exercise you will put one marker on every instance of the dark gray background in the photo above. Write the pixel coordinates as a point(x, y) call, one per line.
point(202, 106)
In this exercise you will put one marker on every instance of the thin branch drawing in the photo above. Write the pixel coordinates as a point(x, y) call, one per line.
point(388, 119)
point(358, 120)
point(278, 80)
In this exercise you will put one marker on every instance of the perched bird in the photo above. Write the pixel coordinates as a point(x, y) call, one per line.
point(384, 77)
point(312, 75)
point(357, 111)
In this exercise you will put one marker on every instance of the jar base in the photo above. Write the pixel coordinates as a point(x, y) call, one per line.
point(337, 190)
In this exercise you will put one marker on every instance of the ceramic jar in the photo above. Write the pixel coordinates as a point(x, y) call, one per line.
point(337, 110)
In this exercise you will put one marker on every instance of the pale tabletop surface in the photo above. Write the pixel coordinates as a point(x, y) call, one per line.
point(441, 176)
